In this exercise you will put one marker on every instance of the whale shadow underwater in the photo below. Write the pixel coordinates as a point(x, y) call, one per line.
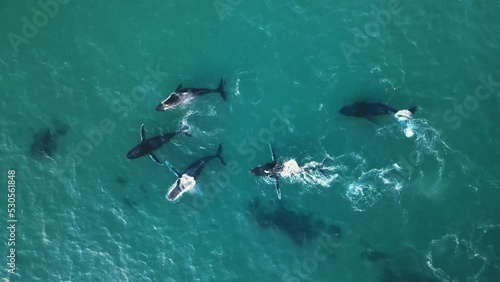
point(391, 274)
point(46, 141)
point(392, 268)
point(300, 228)
point(372, 255)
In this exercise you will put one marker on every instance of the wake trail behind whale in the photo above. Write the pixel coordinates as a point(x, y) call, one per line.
point(428, 144)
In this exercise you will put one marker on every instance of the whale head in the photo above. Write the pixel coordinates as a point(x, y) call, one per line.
point(135, 153)
point(182, 185)
point(403, 115)
point(173, 101)
point(405, 118)
point(259, 171)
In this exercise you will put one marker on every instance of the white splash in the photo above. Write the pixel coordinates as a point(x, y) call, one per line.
point(184, 184)
point(291, 168)
point(403, 115)
point(312, 173)
point(367, 189)
point(237, 90)
point(187, 182)
point(405, 119)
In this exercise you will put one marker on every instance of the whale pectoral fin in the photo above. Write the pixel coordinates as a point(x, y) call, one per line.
point(273, 154)
point(277, 185)
point(143, 133)
point(172, 169)
point(199, 191)
point(196, 190)
point(155, 159)
point(178, 88)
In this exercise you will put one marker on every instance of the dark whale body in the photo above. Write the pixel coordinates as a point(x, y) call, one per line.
point(369, 110)
point(272, 170)
point(192, 172)
point(366, 109)
point(183, 95)
point(147, 146)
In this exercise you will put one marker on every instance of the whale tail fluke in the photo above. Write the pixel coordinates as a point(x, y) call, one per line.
point(185, 129)
point(221, 89)
point(219, 154)
point(413, 109)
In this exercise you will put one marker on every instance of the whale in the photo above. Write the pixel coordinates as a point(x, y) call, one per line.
point(147, 146)
point(372, 255)
point(369, 110)
point(186, 180)
point(272, 170)
point(182, 96)
point(46, 141)
point(277, 170)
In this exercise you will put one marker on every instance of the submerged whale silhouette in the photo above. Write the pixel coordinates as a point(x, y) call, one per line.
point(299, 227)
point(45, 141)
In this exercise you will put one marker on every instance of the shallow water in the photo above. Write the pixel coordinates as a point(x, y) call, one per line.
point(85, 213)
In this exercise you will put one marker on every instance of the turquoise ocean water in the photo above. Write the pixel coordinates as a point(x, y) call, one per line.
point(87, 74)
